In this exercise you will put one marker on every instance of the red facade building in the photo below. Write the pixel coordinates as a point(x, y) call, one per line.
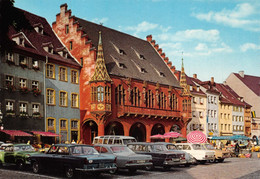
point(127, 86)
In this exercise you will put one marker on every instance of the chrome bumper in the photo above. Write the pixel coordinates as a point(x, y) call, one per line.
point(96, 169)
point(128, 165)
point(180, 162)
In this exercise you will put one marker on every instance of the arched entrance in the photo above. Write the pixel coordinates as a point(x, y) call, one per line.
point(90, 130)
point(157, 129)
point(114, 128)
point(138, 131)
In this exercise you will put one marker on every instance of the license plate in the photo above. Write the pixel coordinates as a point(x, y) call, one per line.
point(175, 160)
point(140, 161)
point(101, 165)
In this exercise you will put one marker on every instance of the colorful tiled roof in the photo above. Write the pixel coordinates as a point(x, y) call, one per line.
point(252, 82)
point(34, 41)
point(128, 56)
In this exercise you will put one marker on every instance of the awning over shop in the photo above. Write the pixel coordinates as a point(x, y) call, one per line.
point(46, 134)
point(16, 133)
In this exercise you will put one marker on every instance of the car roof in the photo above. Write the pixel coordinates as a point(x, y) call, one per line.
point(164, 143)
point(20, 144)
point(142, 143)
point(116, 136)
point(71, 145)
point(109, 145)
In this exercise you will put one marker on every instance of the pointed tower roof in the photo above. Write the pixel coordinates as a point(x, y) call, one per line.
point(100, 73)
point(183, 81)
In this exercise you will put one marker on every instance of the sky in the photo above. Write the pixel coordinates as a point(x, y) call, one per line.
point(214, 37)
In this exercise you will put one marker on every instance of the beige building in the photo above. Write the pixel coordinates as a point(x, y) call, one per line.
point(225, 118)
point(248, 87)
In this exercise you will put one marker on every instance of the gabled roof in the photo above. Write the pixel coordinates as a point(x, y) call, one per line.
point(120, 49)
point(34, 41)
point(229, 96)
point(252, 82)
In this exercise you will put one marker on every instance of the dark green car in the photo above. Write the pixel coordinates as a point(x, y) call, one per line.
point(16, 154)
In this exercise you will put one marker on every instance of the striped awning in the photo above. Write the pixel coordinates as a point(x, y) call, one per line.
point(46, 134)
point(16, 133)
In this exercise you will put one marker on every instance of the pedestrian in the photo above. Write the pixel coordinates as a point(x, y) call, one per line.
point(237, 148)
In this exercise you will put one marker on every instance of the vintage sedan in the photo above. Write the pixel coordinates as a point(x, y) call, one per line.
point(220, 155)
point(71, 158)
point(16, 154)
point(188, 157)
point(197, 151)
point(161, 156)
point(125, 157)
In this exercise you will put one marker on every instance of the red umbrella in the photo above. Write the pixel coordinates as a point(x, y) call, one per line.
point(172, 135)
point(158, 136)
point(196, 137)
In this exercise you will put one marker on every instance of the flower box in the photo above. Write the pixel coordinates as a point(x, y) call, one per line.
point(36, 91)
point(10, 62)
point(10, 88)
point(24, 90)
point(23, 65)
point(23, 115)
point(36, 115)
point(10, 113)
point(36, 68)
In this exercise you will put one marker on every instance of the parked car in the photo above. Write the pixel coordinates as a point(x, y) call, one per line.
point(1, 143)
point(113, 139)
point(220, 155)
point(161, 156)
point(197, 151)
point(16, 154)
point(125, 157)
point(188, 157)
point(70, 158)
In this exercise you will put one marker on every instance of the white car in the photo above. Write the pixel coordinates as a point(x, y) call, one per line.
point(197, 151)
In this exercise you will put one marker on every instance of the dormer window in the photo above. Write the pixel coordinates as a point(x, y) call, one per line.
point(161, 74)
point(21, 41)
point(62, 52)
point(190, 88)
point(38, 28)
point(198, 88)
point(120, 65)
point(142, 70)
point(120, 51)
point(142, 57)
point(48, 47)
point(19, 38)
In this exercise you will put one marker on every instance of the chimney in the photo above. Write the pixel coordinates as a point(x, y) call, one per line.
point(149, 38)
point(159, 51)
point(153, 42)
point(195, 75)
point(173, 69)
point(63, 8)
point(225, 82)
point(156, 46)
point(163, 55)
point(241, 73)
point(212, 80)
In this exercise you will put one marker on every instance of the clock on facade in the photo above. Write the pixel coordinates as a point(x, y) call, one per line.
point(100, 106)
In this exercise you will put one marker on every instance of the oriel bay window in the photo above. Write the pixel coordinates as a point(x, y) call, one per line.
point(120, 95)
point(100, 93)
point(108, 94)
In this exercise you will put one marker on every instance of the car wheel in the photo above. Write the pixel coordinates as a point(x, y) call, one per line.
point(69, 172)
point(20, 165)
point(212, 160)
point(149, 168)
point(36, 167)
point(113, 171)
point(132, 170)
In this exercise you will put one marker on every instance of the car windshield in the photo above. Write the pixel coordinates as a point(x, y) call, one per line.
point(208, 147)
point(83, 150)
point(120, 149)
point(126, 141)
point(197, 147)
point(171, 147)
point(159, 148)
point(23, 148)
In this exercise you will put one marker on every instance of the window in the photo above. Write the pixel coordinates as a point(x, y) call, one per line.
point(35, 63)
point(194, 100)
point(50, 71)
point(9, 80)
point(201, 100)
point(222, 127)
point(9, 106)
point(35, 108)
point(70, 46)
point(22, 60)
point(225, 127)
point(23, 107)
point(215, 101)
point(50, 96)
point(193, 114)
point(120, 95)
point(229, 127)
point(74, 76)
point(23, 83)
point(63, 98)
point(63, 74)
point(107, 94)
point(66, 29)
point(162, 101)
point(215, 113)
point(63, 124)
point(201, 114)
point(100, 93)
point(150, 100)
point(21, 41)
point(10, 57)
point(74, 100)
point(51, 122)
point(35, 84)
point(74, 124)
point(173, 102)
point(135, 97)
